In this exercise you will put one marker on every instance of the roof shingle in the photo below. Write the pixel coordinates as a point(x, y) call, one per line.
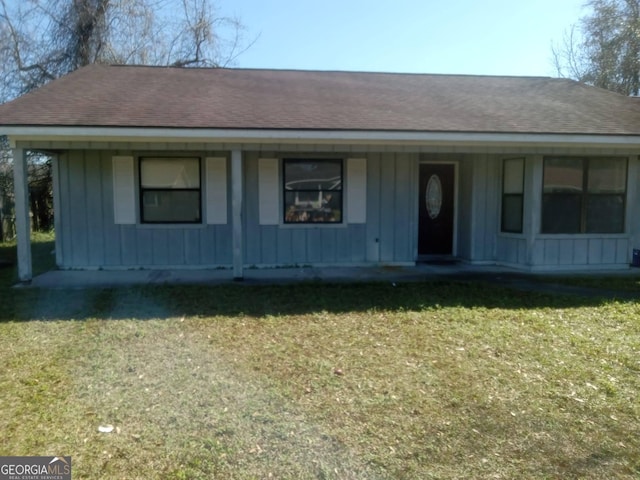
point(135, 96)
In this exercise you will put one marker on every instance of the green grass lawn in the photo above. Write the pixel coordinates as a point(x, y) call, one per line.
point(317, 381)
point(623, 282)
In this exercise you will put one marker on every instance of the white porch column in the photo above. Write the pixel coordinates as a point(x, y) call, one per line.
point(23, 222)
point(633, 199)
point(533, 172)
point(236, 214)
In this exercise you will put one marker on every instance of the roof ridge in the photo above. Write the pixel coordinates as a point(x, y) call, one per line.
point(330, 71)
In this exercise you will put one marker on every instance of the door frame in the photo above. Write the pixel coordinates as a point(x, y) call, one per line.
point(456, 169)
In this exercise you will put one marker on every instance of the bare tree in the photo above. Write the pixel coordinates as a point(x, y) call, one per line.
point(44, 39)
point(6, 189)
point(603, 49)
point(41, 40)
point(205, 38)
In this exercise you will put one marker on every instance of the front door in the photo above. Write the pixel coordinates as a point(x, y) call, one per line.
point(435, 226)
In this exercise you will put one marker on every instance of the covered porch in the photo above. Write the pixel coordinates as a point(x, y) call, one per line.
point(389, 237)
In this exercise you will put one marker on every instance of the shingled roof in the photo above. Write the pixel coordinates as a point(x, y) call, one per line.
point(163, 97)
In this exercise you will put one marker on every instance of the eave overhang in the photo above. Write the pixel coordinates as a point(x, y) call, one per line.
point(27, 134)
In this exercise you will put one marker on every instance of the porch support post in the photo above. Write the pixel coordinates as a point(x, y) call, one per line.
point(236, 214)
point(534, 165)
point(57, 215)
point(632, 221)
point(23, 222)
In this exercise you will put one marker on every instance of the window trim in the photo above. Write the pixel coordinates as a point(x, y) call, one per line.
point(585, 195)
point(505, 195)
point(284, 222)
point(142, 191)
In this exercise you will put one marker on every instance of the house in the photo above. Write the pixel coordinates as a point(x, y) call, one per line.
point(159, 167)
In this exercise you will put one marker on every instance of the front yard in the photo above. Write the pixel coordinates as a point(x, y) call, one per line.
point(315, 381)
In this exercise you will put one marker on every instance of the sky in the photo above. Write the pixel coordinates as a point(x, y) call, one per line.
point(476, 37)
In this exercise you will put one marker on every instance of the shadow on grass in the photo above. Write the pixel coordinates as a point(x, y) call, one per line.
point(152, 302)
point(42, 253)
point(156, 301)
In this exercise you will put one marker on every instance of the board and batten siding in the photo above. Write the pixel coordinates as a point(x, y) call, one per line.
point(465, 202)
point(586, 251)
point(96, 225)
point(512, 250)
point(478, 207)
point(580, 251)
point(378, 209)
point(485, 214)
point(99, 231)
point(481, 241)
point(546, 252)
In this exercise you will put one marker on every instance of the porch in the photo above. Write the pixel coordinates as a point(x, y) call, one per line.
point(454, 272)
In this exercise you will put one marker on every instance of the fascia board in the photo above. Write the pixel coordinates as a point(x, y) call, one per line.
point(263, 136)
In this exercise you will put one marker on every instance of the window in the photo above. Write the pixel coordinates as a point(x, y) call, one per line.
point(584, 195)
point(512, 194)
point(170, 190)
point(312, 191)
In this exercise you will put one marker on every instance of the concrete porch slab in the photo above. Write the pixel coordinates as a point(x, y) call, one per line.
point(116, 278)
point(461, 272)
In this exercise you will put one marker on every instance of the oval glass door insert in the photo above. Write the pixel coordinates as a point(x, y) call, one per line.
point(433, 196)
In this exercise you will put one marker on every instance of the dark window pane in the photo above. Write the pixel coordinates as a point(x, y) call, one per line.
point(313, 207)
point(169, 206)
point(605, 214)
point(512, 213)
point(569, 207)
point(561, 213)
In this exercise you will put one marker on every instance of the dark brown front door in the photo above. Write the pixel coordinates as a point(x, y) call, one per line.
point(435, 226)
